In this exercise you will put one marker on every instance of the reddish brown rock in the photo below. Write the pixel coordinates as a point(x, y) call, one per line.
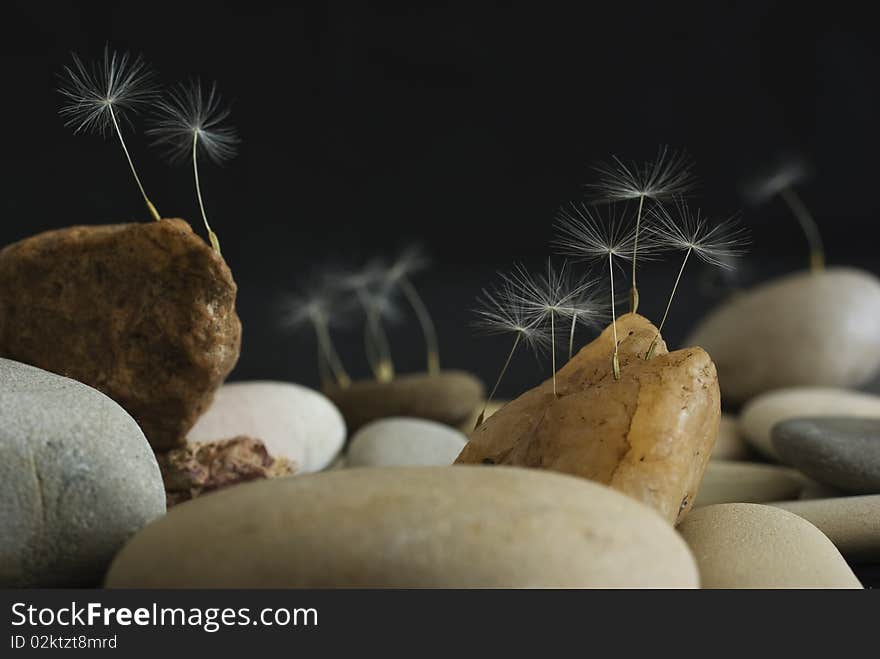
point(199, 468)
point(142, 312)
point(648, 435)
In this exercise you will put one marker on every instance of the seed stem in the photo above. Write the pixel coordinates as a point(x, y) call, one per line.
point(376, 341)
point(615, 360)
point(571, 335)
point(215, 242)
point(498, 381)
point(809, 226)
point(137, 180)
point(653, 345)
point(634, 290)
point(327, 349)
point(553, 347)
point(428, 330)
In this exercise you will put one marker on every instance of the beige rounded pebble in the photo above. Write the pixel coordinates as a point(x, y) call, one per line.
point(815, 490)
point(851, 523)
point(730, 445)
point(747, 545)
point(804, 329)
point(403, 442)
point(409, 527)
point(760, 415)
point(726, 481)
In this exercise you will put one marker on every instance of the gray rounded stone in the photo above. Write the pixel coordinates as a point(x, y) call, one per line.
point(840, 451)
point(77, 479)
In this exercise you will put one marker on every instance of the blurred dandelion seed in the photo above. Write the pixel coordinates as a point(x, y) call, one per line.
point(99, 96)
point(373, 294)
point(192, 119)
point(409, 261)
point(315, 308)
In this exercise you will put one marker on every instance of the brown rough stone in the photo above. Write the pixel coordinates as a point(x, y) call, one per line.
point(200, 468)
point(648, 434)
point(143, 312)
point(450, 397)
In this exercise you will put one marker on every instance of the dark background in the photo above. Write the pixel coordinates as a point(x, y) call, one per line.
point(462, 127)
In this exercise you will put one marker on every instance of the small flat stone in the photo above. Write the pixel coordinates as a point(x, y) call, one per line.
point(760, 415)
point(727, 481)
point(852, 523)
point(747, 545)
point(843, 452)
point(401, 442)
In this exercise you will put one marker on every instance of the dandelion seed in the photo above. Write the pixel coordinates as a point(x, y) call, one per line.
point(668, 175)
point(781, 181)
point(410, 261)
point(98, 97)
point(316, 308)
point(584, 233)
point(715, 244)
point(191, 119)
point(501, 311)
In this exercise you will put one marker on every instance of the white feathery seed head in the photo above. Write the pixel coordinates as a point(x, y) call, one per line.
point(191, 111)
point(501, 310)
point(668, 175)
point(586, 233)
point(556, 292)
point(411, 259)
point(112, 86)
point(312, 307)
point(715, 243)
point(787, 173)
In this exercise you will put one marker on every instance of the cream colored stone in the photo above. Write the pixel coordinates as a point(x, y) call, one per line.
point(805, 329)
point(293, 421)
point(403, 442)
point(851, 523)
point(727, 481)
point(760, 415)
point(747, 545)
point(730, 445)
point(409, 527)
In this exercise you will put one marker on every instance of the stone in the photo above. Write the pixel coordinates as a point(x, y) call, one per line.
point(404, 442)
point(728, 481)
point(409, 527)
point(77, 479)
point(730, 445)
point(294, 422)
point(843, 452)
point(649, 434)
point(449, 397)
point(760, 415)
point(851, 523)
point(804, 329)
point(748, 545)
point(814, 490)
point(145, 313)
point(201, 468)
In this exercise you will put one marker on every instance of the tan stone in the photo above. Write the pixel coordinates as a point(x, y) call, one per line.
point(851, 523)
point(409, 527)
point(648, 434)
point(727, 481)
point(747, 545)
point(143, 312)
point(449, 397)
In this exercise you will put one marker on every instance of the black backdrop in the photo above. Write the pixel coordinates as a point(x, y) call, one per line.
point(461, 126)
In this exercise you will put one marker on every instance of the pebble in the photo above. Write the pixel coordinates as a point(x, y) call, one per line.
point(77, 479)
point(747, 482)
point(843, 452)
point(404, 442)
point(804, 329)
point(852, 523)
point(293, 421)
point(760, 415)
point(409, 527)
point(747, 545)
point(730, 445)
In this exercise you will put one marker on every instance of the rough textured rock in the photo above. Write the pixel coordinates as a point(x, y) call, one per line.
point(409, 527)
point(851, 523)
point(648, 435)
point(401, 442)
point(77, 479)
point(840, 451)
point(760, 415)
point(805, 329)
point(730, 445)
point(727, 481)
point(197, 469)
point(142, 312)
point(293, 421)
point(449, 398)
point(747, 545)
